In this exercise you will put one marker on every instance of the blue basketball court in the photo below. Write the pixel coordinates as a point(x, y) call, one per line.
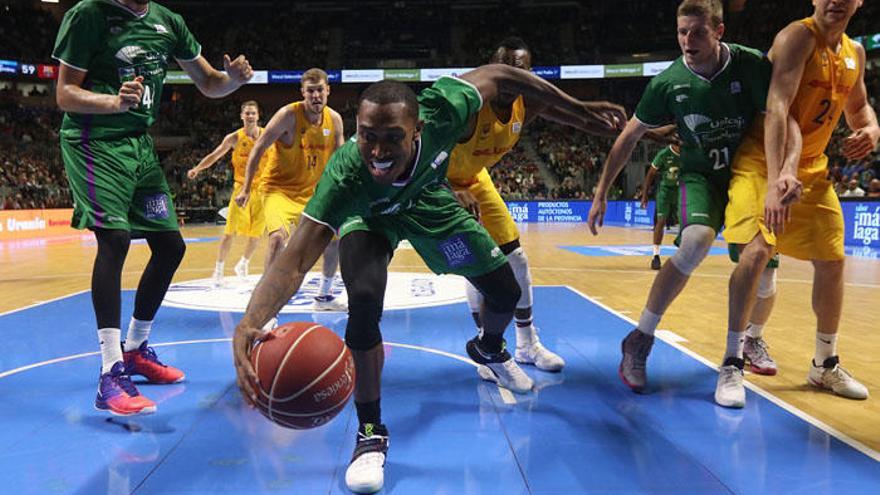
point(581, 431)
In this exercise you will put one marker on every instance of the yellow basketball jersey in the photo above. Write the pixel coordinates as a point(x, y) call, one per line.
point(827, 81)
point(243, 146)
point(821, 97)
point(295, 169)
point(491, 140)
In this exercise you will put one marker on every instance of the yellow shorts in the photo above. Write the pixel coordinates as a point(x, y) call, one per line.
point(815, 231)
point(494, 214)
point(248, 221)
point(282, 211)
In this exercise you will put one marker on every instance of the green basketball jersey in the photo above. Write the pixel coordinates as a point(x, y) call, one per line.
point(712, 115)
point(113, 44)
point(667, 163)
point(346, 189)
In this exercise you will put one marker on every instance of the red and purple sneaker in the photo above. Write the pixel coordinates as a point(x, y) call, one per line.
point(143, 361)
point(117, 395)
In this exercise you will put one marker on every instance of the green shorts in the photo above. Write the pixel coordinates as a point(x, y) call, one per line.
point(733, 252)
point(117, 183)
point(667, 202)
point(446, 236)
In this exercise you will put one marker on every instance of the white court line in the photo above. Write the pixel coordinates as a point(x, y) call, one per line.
point(39, 303)
point(843, 437)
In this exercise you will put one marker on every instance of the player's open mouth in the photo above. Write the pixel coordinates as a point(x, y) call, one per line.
point(382, 166)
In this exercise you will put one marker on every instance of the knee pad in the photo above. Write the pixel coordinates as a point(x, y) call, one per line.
point(474, 298)
point(362, 330)
point(767, 285)
point(519, 263)
point(695, 243)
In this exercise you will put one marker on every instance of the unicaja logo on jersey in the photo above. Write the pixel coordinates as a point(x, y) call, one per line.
point(128, 54)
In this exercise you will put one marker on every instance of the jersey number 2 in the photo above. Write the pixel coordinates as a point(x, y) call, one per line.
point(826, 107)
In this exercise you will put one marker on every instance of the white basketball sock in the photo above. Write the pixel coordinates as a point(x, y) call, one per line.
point(735, 343)
point(648, 322)
point(111, 352)
point(219, 267)
point(656, 250)
point(326, 285)
point(754, 330)
point(138, 333)
point(826, 347)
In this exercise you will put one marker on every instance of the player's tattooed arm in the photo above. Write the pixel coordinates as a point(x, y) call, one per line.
point(281, 281)
point(213, 83)
point(211, 158)
point(492, 79)
point(861, 118)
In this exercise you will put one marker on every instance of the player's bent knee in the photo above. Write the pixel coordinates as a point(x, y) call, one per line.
point(500, 289)
point(696, 240)
point(362, 330)
point(767, 284)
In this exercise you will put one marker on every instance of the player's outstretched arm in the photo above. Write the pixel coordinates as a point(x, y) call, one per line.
point(617, 158)
point(211, 158)
point(590, 116)
point(72, 97)
point(281, 281)
point(861, 118)
point(283, 121)
point(213, 83)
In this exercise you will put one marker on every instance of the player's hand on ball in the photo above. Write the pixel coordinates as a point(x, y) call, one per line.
point(130, 94)
point(238, 70)
point(242, 343)
point(860, 144)
point(597, 213)
point(606, 115)
point(468, 202)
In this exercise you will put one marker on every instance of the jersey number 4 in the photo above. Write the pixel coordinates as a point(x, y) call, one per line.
point(312, 161)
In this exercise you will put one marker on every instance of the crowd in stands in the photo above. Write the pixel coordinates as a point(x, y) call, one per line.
point(551, 161)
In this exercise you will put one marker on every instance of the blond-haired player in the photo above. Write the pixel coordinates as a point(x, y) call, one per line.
point(248, 220)
point(303, 136)
point(818, 73)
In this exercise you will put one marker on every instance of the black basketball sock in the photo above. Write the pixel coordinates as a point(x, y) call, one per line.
point(369, 412)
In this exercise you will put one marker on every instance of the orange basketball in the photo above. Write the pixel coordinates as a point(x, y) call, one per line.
point(306, 375)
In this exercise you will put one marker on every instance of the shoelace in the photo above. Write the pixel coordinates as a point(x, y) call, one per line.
point(761, 349)
point(729, 374)
point(124, 382)
point(839, 374)
point(150, 355)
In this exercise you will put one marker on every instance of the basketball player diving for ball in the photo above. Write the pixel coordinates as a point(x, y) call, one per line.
point(387, 185)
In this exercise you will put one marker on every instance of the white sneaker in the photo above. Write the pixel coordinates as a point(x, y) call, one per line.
point(217, 279)
point(241, 268)
point(329, 303)
point(507, 373)
point(531, 351)
point(366, 473)
point(832, 376)
point(730, 392)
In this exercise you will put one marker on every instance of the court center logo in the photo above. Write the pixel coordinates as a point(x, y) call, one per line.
point(404, 291)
